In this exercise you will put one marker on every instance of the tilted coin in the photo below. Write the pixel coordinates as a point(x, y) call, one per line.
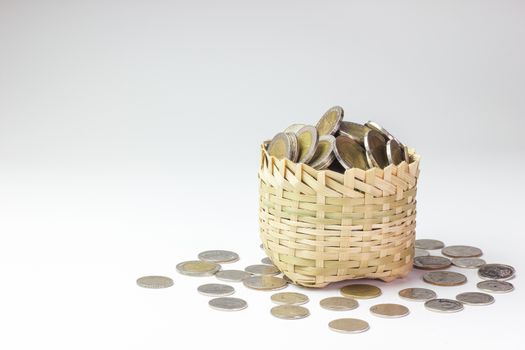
point(348, 325)
point(289, 312)
point(215, 289)
point(395, 153)
point(431, 262)
point(265, 283)
point(349, 153)
point(232, 275)
point(429, 244)
point(218, 256)
point(259, 270)
point(375, 146)
point(198, 268)
point(284, 145)
point(496, 272)
point(444, 278)
point(417, 294)
point(266, 261)
point(388, 136)
point(461, 251)
point(361, 291)
point(294, 128)
point(469, 263)
point(289, 298)
point(475, 298)
point(339, 303)
point(324, 153)
point(228, 304)
point(307, 140)
point(329, 122)
point(420, 252)
point(444, 305)
point(494, 286)
point(155, 282)
point(389, 310)
point(354, 131)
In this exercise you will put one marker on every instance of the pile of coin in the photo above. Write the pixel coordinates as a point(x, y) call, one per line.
point(338, 145)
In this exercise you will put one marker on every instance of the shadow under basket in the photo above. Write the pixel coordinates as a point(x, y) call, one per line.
point(320, 226)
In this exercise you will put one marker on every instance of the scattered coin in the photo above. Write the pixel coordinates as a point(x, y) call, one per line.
point(389, 310)
point(265, 283)
point(339, 303)
point(219, 256)
point(198, 268)
point(349, 153)
point(284, 145)
point(329, 122)
point(354, 131)
point(395, 153)
point(420, 252)
point(375, 146)
point(307, 143)
point(444, 278)
point(266, 261)
point(431, 262)
point(289, 312)
point(216, 290)
point(324, 154)
point(461, 251)
point(429, 244)
point(259, 270)
point(155, 282)
point(289, 298)
point(361, 291)
point(444, 305)
point(494, 286)
point(232, 275)
point(294, 128)
point(469, 263)
point(496, 272)
point(228, 304)
point(417, 294)
point(475, 298)
point(348, 325)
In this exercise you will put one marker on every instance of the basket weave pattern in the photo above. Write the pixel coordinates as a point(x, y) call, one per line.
point(320, 227)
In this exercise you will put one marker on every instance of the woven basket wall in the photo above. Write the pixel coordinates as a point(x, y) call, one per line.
point(320, 227)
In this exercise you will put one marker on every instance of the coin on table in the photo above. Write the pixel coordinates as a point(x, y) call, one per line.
point(444, 278)
point(395, 152)
point(444, 305)
point(355, 131)
point(284, 145)
point(232, 275)
point(494, 286)
point(417, 294)
point(218, 256)
point(216, 290)
point(496, 272)
point(289, 312)
point(348, 325)
point(155, 282)
point(198, 268)
point(307, 140)
point(429, 244)
point(294, 128)
point(324, 153)
point(339, 303)
point(329, 122)
point(260, 270)
point(420, 252)
point(461, 251)
point(289, 298)
point(431, 262)
point(266, 261)
point(361, 291)
point(349, 153)
point(375, 146)
point(475, 298)
point(228, 304)
point(389, 310)
point(265, 283)
point(468, 263)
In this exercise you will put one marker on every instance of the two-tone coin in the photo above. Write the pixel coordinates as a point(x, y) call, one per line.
point(339, 303)
point(307, 140)
point(417, 294)
point(284, 145)
point(360, 291)
point(216, 290)
point(468, 263)
point(375, 147)
point(461, 251)
point(232, 275)
point(324, 153)
point(262, 269)
point(395, 152)
point(428, 244)
point(444, 278)
point(499, 272)
point(294, 128)
point(475, 298)
point(218, 256)
point(349, 325)
point(154, 282)
point(349, 153)
point(228, 304)
point(198, 268)
point(389, 310)
point(494, 286)
point(329, 122)
point(289, 312)
point(265, 283)
point(289, 298)
point(354, 131)
point(443, 305)
point(431, 262)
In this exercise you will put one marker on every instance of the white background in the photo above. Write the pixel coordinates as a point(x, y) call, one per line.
point(129, 142)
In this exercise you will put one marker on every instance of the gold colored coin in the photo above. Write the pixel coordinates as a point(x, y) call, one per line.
point(198, 268)
point(349, 325)
point(290, 312)
point(375, 145)
point(329, 122)
point(307, 143)
point(324, 155)
point(289, 298)
point(349, 153)
point(280, 146)
point(360, 291)
point(354, 131)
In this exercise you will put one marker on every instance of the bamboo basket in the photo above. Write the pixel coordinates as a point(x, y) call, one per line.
point(320, 227)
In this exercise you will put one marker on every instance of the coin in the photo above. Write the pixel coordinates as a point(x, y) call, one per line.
point(284, 145)
point(499, 272)
point(360, 291)
point(259, 270)
point(461, 251)
point(475, 298)
point(155, 282)
point(389, 310)
point(417, 294)
point(265, 283)
point(228, 304)
point(395, 153)
point(431, 262)
point(429, 244)
point(329, 122)
point(289, 312)
point(444, 305)
point(348, 325)
point(388, 136)
point(324, 153)
point(198, 268)
point(218, 256)
point(349, 153)
point(232, 275)
point(307, 143)
point(289, 298)
point(354, 131)
point(294, 128)
point(339, 303)
point(494, 286)
point(375, 146)
point(266, 261)
point(215, 289)
point(444, 278)
point(469, 263)
point(420, 252)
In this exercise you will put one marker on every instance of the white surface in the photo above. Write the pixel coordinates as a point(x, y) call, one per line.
point(113, 116)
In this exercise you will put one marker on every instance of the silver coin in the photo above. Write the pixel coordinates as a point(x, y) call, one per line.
point(468, 263)
point(349, 325)
point(265, 283)
point(339, 303)
point(289, 298)
point(444, 305)
point(375, 146)
point(461, 251)
point(475, 298)
point(429, 244)
point(228, 304)
point(262, 270)
point(218, 256)
point(198, 268)
point(216, 290)
point(289, 312)
point(389, 310)
point(420, 252)
point(395, 152)
point(431, 262)
point(494, 286)
point(444, 278)
point(155, 282)
point(417, 294)
point(232, 275)
point(266, 261)
point(294, 128)
point(307, 140)
point(499, 272)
